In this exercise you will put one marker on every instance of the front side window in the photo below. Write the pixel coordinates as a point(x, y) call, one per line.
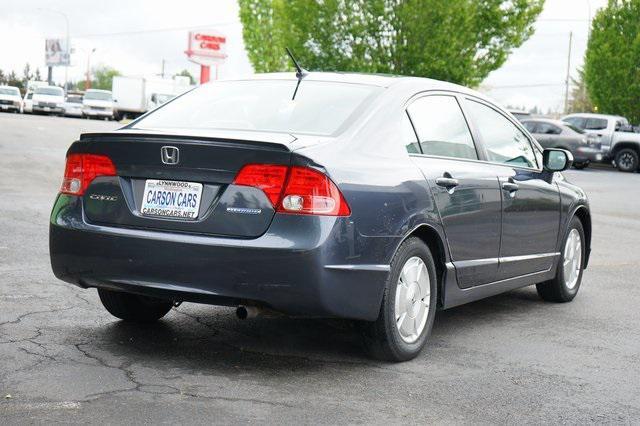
point(319, 108)
point(442, 128)
point(504, 142)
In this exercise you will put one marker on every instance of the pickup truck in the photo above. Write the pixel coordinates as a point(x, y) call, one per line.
point(618, 140)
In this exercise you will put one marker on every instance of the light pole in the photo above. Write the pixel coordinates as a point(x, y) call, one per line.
point(87, 83)
point(68, 57)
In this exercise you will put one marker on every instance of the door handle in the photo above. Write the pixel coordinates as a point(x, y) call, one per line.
point(510, 186)
point(447, 182)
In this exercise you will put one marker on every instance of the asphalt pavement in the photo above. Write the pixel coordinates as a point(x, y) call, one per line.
point(509, 359)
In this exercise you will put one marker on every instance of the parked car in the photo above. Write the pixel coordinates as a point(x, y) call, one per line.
point(48, 100)
point(520, 115)
point(73, 106)
point(559, 134)
point(369, 197)
point(10, 99)
point(27, 103)
point(98, 104)
point(619, 142)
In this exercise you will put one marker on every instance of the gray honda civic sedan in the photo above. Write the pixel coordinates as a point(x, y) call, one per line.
point(374, 198)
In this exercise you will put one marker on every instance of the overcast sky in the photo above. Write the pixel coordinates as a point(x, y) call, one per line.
point(134, 36)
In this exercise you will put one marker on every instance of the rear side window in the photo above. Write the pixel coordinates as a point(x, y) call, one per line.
point(530, 126)
point(409, 136)
point(504, 142)
point(596, 124)
point(578, 122)
point(548, 129)
point(441, 127)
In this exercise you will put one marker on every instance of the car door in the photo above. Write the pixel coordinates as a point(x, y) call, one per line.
point(530, 197)
point(466, 191)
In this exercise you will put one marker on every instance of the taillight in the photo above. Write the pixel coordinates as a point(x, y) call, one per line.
point(298, 190)
point(267, 177)
point(82, 169)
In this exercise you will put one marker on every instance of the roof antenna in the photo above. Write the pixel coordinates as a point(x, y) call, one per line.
point(300, 72)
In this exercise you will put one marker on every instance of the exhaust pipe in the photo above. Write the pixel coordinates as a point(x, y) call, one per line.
point(245, 312)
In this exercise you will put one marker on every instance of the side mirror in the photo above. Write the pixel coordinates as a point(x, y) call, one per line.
point(154, 98)
point(556, 160)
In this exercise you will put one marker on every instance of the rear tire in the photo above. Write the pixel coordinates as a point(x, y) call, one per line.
point(131, 307)
point(627, 160)
point(565, 285)
point(400, 336)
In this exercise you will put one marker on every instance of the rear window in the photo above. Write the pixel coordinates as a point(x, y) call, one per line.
point(53, 91)
point(320, 108)
point(98, 96)
point(9, 91)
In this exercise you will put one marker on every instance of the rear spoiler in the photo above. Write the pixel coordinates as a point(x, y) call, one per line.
point(259, 140)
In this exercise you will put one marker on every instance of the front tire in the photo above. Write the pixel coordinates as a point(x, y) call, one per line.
point(627, 160)
point(581, 166)
point(565, 285)
point(408, 305)
point(134, 308)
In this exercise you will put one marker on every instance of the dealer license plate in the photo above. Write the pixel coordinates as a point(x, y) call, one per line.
point(169, 198)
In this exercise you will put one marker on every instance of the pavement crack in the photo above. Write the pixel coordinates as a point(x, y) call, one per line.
point(25, 315)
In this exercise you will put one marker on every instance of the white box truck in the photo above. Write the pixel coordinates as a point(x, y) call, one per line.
point(133, 96)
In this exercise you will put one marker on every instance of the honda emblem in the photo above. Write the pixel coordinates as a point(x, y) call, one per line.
point(170, 155)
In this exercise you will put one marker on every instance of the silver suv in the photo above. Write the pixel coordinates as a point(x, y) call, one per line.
point(619, 142)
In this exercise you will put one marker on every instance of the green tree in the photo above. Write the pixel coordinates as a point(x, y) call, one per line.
point(103, 77)
point(612, 63)
point(186, 73)
point(460, 41)
point(13, 80)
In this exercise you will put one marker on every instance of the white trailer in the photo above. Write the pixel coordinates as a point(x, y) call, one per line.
point(133, 96)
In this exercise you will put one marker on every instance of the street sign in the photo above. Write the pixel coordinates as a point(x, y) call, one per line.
point(207, 47)
point(56, 52)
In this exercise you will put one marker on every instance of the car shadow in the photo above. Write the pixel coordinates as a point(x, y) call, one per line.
point(206, 339)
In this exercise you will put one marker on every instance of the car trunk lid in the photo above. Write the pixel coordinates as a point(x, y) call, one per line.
point(205, 168)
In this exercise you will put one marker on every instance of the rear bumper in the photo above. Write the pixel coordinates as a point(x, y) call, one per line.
point(55, 110)
point(307, 266)
point(583, 154)
point(7, 107)
point(97, 113)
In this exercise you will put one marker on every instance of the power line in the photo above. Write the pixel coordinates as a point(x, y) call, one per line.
point(154, 30)
point(523, 86)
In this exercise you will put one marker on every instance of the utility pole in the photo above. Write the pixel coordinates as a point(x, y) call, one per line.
point(566, 82)
point(87, 83)
point(163, 61)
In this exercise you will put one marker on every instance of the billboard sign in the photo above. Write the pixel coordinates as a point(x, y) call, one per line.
point(56, 52)
point(207, 47)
